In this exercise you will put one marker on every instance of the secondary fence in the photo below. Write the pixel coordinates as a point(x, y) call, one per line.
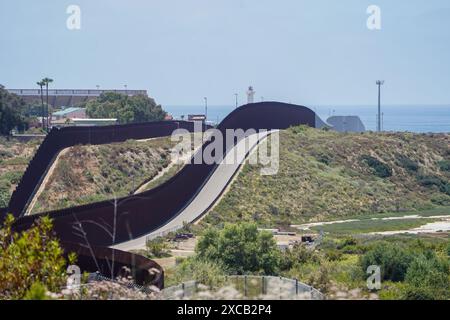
point(249, 287)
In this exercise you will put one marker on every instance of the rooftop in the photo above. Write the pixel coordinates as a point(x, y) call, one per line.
point(66, 111)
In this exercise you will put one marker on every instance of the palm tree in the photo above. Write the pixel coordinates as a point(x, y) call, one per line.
point(47, 81)
point(42, 84)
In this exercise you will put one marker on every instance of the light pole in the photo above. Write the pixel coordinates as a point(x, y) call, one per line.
point(379, 84)
point(206, 108)
point(126, 90)
point(236, 100)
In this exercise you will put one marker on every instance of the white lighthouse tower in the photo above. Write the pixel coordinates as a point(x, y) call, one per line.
point(250, 95)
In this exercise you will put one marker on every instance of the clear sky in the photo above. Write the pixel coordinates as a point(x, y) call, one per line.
point(311, 52)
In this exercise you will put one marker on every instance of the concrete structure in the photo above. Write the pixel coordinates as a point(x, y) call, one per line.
point(346, 124)
point(67, 97)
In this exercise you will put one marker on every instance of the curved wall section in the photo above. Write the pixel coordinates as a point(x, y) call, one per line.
point(107, 223)
point(140, 214)
point(59, 139)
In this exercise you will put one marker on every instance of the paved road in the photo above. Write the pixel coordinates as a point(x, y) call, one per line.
point(208, 194)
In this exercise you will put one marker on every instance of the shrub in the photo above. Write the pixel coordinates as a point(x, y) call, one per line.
point(407, 163)
point(240, 248)
point(29, 257)
point(444, 165)
point(4, 197)
point(440, 199)
point(379, 168)
point(427, 278)
point(37, 291)
point(206, 272)
point(157, 248)
point(430, 181)
point(392, 259)
point(299, 254)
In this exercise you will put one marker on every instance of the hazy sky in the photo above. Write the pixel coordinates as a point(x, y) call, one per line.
point(309, 52)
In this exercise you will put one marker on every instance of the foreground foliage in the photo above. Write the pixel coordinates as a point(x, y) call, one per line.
point(31, 259)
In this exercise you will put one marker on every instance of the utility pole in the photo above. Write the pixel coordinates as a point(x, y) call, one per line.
point(379, 84)
point(236, 96)
point(206, 108)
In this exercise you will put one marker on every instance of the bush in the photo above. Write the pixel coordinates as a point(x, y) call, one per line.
point(206, 272)
point(299, 254)
point(392, 259)
point(240, 248)
point(157, 248)
point(444, 165)
point(379, 168)
point(37, 291)
point(427, 279)
point(30, 257)
point(430, 181)
point(4, 197)
point(407, 163)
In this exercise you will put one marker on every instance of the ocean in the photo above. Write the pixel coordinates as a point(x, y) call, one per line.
point(412, 118)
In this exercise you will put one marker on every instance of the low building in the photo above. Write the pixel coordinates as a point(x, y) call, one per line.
point(69, 113)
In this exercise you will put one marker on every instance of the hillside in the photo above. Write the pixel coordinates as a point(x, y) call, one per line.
point(14, 158)
point(86, 174)
point(324, 174)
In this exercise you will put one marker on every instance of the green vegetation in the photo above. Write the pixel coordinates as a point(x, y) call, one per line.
point(326, 175)
point(157, 248)
point(86, 174)
point(11, 108)
point(411, 267)
point(14, 157)
point(206, 272)
point(444, 165)
point(367, 226)
point(240, 248)
point(392, 259)
point(379, 168)
point(126, 109)
point(31, 262)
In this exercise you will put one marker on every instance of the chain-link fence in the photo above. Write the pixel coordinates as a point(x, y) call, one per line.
point(248, 287)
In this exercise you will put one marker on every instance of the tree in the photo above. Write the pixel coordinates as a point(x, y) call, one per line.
point(46, 81)
point(11, 108)
point(30, 257)
point(41, 84)
point(139, 108)
point(240, 248)
point(393, 260)
point(427, 279)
